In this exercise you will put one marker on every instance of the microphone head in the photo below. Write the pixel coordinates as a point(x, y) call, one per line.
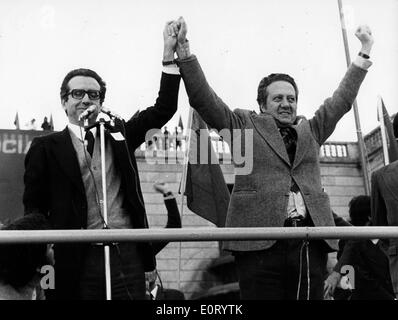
point(91, 108)
point(86, 113)
point(110, 113)
point(105, 109)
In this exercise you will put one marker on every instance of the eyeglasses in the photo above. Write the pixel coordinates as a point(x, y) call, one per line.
point(80, 93)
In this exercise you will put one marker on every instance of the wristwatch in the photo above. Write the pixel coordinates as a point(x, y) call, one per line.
point(167, 63)
point(363, 55)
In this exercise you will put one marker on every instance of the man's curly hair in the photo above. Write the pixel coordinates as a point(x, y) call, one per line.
point(266, 81)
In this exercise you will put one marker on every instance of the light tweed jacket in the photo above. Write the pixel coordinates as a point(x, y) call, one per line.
point(260, 199)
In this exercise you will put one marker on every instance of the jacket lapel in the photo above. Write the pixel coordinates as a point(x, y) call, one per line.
point(65, 155)
point(266, 127)
point(303, 137)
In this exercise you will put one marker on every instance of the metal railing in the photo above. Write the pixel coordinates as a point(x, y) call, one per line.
point(195, 234)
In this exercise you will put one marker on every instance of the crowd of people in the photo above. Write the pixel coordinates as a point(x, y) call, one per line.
point(63, 183)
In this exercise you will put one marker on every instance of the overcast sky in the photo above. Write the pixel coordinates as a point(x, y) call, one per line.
point(237, 43)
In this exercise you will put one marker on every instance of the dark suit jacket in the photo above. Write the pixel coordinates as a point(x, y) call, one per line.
point(372, 273)
point(384, 202)
point(54, 187)
point(260, 197)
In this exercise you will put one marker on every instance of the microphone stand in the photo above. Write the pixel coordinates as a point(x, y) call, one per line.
point(101, 124)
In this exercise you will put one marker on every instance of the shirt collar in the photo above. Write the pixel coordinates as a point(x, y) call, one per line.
point(154, 292)
point(75, 129)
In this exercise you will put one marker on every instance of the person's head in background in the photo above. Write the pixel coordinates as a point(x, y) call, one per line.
point(360, 211)
point(150, 280)
point(19, 263)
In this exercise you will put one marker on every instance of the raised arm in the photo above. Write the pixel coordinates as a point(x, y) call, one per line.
point(201, 96)
point(157, 116)
point(173, 215)
point(333, 109)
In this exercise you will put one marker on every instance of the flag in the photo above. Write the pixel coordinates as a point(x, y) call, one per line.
point(16, 121)
point(391, 141)
point(136, 114)
point(51, 123)
point(180, 124)
point(207, 193)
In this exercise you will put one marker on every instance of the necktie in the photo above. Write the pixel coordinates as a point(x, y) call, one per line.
point(89, 137)
point(289, 137)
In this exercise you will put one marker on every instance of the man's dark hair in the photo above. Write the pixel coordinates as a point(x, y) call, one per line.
point(84, 73)
point(266, 81)
point(19, 262)
point(395, 125)
point(360, 211)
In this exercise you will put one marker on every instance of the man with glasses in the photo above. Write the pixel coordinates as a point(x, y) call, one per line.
point(63, 182)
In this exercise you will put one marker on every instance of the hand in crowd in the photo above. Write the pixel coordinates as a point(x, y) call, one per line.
point(162, 187)
point(330, 284)
point(364, 34)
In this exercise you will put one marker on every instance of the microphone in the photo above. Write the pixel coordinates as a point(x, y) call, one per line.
point(84, 115)
point(110, 113)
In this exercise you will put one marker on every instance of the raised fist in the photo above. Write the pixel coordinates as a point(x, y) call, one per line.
point(182, 30)
point(170, 35)
point(162, 187)
point(364, 34)
point(183, 51)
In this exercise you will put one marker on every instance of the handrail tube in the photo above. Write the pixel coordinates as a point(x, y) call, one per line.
point(194, 234)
